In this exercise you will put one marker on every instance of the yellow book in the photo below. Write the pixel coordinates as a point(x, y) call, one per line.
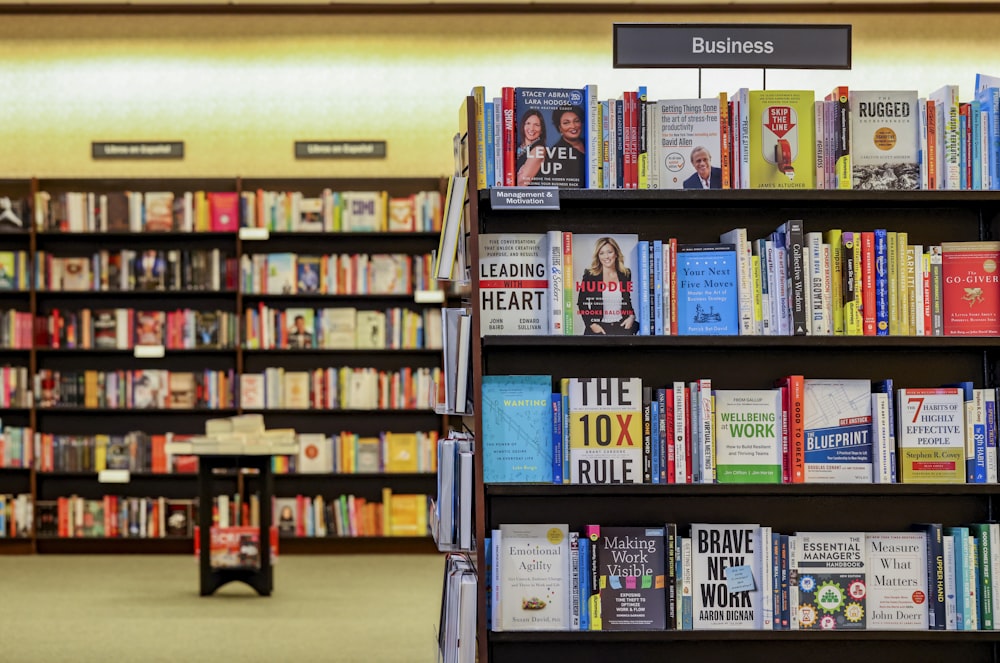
point(90, 391)
point(911, 289)
point(479, 94)
point(853, 323)
point(100, 453)
point(757, 294)
point(902, 284)
point(782, 139)
point(834, 239)
point(202, 222)
point(386, 510)
point(401, 453)
point(893, 278)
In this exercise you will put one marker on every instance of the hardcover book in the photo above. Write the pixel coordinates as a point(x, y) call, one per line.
point(207, 329)
point(715, 550)
point(513, 284)
point(339, 328)
point(517, 429)
point(970, 288)
point(897, 581)
point(149, 327)
point(105, 329)
point(832, 584)
point(631, 577)
point(309, 271)
point(281, 274)
point(838, 432)
point(748, 436)
point(551, 138)
point(300, 326)
point(534, 578)
point(707, 291)
point(782, 142)
point(605, 278)
point(885, 140)
point(159, 211)
point(605, 431)
point(183, 390)
point(315, 454)
point(931, 435)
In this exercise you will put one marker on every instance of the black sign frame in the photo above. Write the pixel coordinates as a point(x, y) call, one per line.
point(379, 149)
point(806, 34)
point(127, 149)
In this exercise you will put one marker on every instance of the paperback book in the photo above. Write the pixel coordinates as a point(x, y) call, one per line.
point(534, 568)
point(829, 573)
point(838, 439)
point(885, 140)
point(631, 577)
point(707, 294)
point(748, 436)
point(721, 601)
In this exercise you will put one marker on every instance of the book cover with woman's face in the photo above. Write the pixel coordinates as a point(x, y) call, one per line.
point(605, 272)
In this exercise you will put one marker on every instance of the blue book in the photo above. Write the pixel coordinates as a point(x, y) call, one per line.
point(658, 287)
point(707, 298)
point(557, 439)
point(963, 619)
point(661, 406)
point(775, 597)
point(517, 428)
point(988, 96)
point(584, 553)
point(619, 137)
point(976, 117)
point(564, 393)
point(490, 165)
point(881, 283)
point(643, 269)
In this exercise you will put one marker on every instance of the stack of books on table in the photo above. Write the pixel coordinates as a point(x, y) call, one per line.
point(241, 435)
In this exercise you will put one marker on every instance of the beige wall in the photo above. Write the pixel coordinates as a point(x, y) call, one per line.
point(239, 90)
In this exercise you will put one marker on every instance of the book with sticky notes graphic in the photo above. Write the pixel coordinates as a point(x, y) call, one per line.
point(722, 602)
point(630, 578)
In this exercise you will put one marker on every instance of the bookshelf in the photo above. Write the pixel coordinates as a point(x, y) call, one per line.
point(733, 362)
point(237, 359)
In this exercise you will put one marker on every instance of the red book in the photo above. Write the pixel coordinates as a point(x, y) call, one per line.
point(868, 283)
point(970, 286)
point(224, 208)
point(795, 385)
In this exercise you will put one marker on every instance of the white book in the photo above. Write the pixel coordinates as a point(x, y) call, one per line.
point(680, 438)
point(514, 289)
point(706, 420)
point(715, 550)
point(950, 594)
point(315, 454)
point(838, 442)
point(694, 391)
point(931, 437)
point(687, 583)
point(831, 575)
point(767, 589)
point(574, 580)
point(922, 110)
point(793, 584)
point(897, 581)
point(463, 404)
point(946, 103)
point(534, 577)
point(882, 455)
point(555, 286)
point(971, 612)
point(496, 597)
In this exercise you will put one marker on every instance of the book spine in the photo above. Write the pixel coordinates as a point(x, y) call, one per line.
point(593, 532)
point(672, 281)
point(796, 278)
point(509, 136)
point(657, 288)
point(642, 159)
point(892, 274)
point(725, 140)
point(842, 118)
point(593, 179)
point(564, 395)
point(488, 142)
point(937, 292)
point(479, 95)
point(868, 316)
point(991, 435)
point(984, 571)
point(585, 589)
point(881, 283)
point(569, 288)
point(815, 322)
point(661, 441)
point(707, 424)
point(670, 548)
point(557, 438)
point(556, 285)
point(647, 435)
point(574, 581)
point(654, 436)
point(645, 256)
point(766, 588)
point(796, 427)
point(680, 437)
point(950, 584)
point(933, 162)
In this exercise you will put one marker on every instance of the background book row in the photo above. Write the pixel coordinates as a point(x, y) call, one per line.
point(336, 274)
point(15, 516)
point(126, 270)
point(343, 388)
point(138, 451)
point(792, 282)
point(770, 139)
point(742, 577)
point(342, 328)
point(125, 328)
point(350, 515)
point(186, 329)
point(227, 211)
point(615, 431)
point(134, 389)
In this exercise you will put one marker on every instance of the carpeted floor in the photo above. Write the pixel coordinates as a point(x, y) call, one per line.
point(146, 609)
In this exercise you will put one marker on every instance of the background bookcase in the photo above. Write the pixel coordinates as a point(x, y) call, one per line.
point(734, 362)
point(83, 421)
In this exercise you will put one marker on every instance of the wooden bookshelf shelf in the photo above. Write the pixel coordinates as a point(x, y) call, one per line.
point(81, 352)
point(791, 343)
point(137, 294)
point(115, 545)
point(217, 412)
point(343, 351)
point(737, 490)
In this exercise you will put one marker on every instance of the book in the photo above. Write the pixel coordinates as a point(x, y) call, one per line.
point(534, 577)
point(551, 140)
point(309, 270)
point(315, 454)
point(885, 140)
point(252, 391)
point(300, 328)
point(632, 577)
point(149, 270)
point(748, 435)
point(897, 581)
point(605, 431)
point(183, 390)
point(830, 574)
point(931, 437)
point(159, 208)
point(514, 284)
point(838, 439)
point(605, 278)
point(719, 603)
point(370, 330)
point(281, 277)
point(707, 290)
point(781, 139)
point(207, 329)
point(517, 428)
point(686, 144)
point(970, 288)
point(149, 327)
